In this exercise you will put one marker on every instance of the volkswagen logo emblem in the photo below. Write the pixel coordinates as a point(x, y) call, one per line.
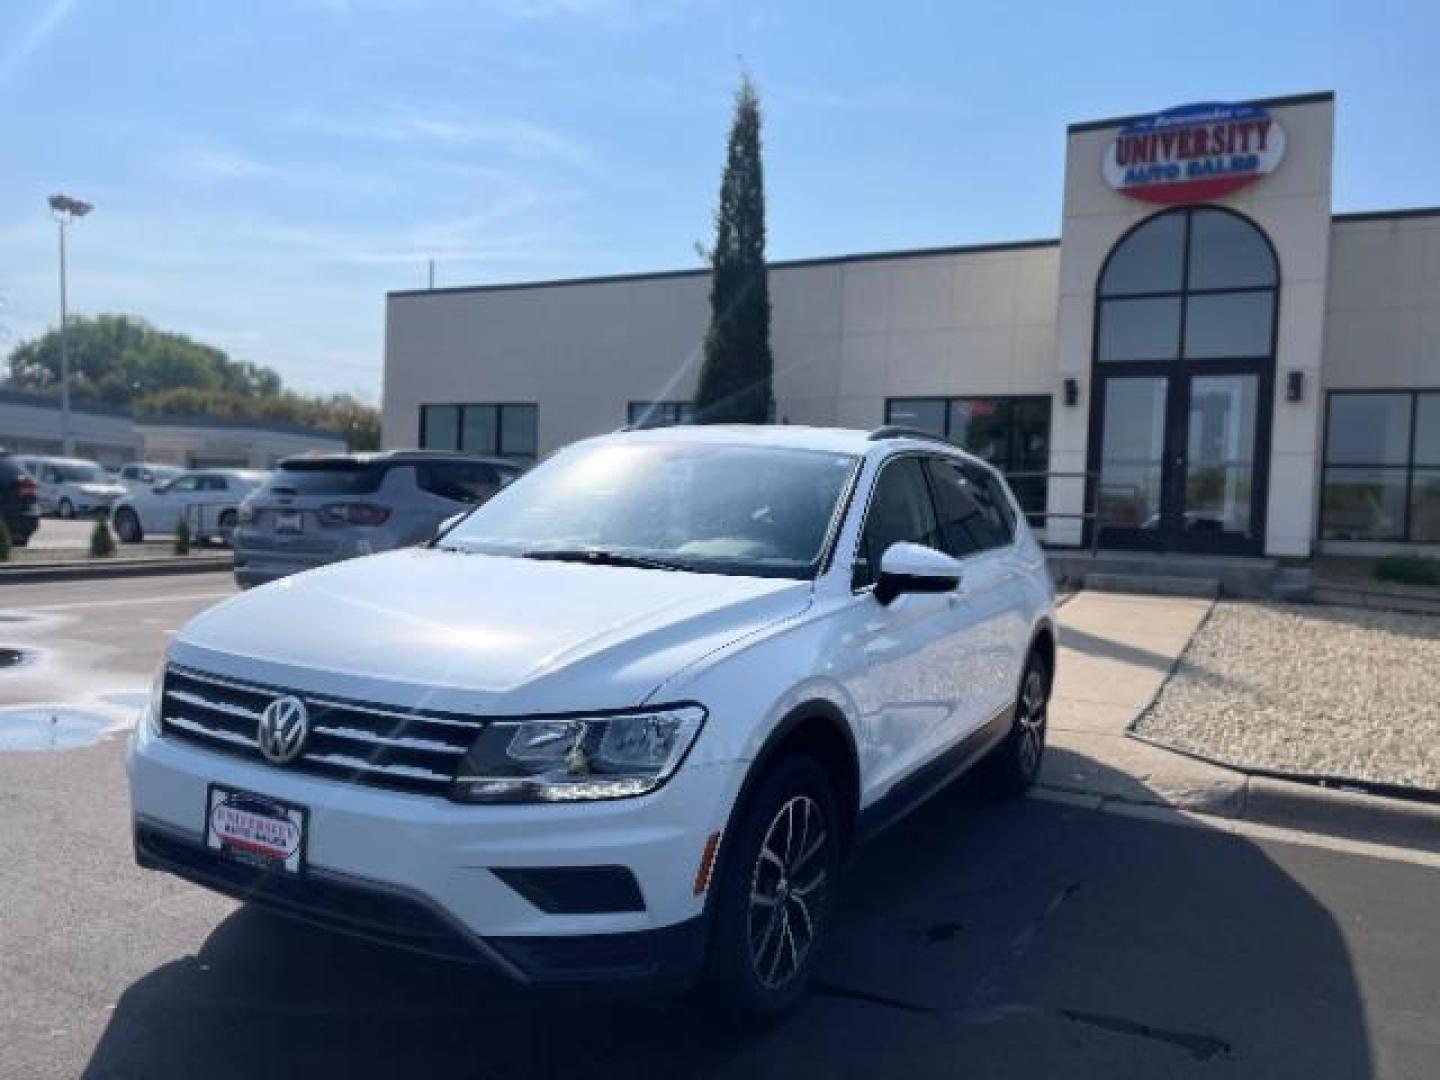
point(282, 730)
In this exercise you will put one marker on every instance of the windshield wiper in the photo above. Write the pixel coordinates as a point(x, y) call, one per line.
point(602, 557)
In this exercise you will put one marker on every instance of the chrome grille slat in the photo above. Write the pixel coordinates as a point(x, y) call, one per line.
point(217, 706)
point(374, 745)
point(345, 761)
point(394, 714)
point(403, 743)
point(222, 734)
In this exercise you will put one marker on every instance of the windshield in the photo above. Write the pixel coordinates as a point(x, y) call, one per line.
point(80, 474)
point(758, 511)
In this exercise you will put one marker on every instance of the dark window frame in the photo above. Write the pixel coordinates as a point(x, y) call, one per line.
point(1185, 292)
point(1409, 468)
point(1011, 401)
point(497, 447)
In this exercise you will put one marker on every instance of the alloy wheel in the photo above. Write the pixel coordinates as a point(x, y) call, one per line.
point(787, 890)
point(1030, 718)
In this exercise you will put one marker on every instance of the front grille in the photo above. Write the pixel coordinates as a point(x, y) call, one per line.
point(382, 746)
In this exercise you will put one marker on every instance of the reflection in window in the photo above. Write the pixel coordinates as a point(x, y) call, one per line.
point(1011, 433)
point(659, 413)
point(488, 430)
point(1146, 329)
point(1206, 270)
point(1228, 325)
point(1131, 452)
point(1382, 467)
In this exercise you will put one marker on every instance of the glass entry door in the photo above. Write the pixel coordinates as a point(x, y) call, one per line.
point(1184, 366)
point(1177, 462)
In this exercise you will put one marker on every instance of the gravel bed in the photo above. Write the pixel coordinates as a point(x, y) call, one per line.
point(1329, 691)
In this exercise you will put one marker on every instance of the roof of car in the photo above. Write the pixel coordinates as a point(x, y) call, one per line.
point(789, 436)
point(55, 459)
point(397, 456)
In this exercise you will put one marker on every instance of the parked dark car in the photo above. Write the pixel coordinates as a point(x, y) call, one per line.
point(18, 505)
point(317, 510)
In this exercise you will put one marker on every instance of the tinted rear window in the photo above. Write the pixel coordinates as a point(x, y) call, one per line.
point(328, 477)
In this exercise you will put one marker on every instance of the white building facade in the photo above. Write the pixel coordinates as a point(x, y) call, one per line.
point(1206, 360)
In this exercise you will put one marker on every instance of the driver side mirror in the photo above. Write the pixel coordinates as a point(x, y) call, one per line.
point(915, 568)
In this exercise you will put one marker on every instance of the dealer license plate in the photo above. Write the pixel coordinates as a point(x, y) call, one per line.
point(289, 521)
point(255, 829)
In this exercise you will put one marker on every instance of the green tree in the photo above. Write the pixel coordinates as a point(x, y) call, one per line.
point(124, 361)
point(735, 379)
point(102, 541)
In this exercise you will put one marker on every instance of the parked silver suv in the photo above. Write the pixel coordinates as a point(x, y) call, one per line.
point(317, 510)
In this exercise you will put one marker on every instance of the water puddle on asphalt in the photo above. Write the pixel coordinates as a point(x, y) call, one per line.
point(68, 726)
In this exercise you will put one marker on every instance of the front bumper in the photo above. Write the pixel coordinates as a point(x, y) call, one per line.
point(404, 919)
point(424, 873)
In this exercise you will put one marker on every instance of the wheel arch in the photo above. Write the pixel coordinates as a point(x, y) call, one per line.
point(819, 729)
point(1042, 641)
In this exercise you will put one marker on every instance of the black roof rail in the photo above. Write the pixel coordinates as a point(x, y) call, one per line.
point(897, 431)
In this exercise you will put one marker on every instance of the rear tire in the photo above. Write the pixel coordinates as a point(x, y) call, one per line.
point(1014, 766)
point(127, 526)
point(772, 902)
point(228, 519)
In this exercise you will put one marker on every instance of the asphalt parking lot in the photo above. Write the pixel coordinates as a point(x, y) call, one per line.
point(1020, 940)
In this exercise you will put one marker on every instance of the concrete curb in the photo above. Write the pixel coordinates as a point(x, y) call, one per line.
point(1349, 814)
point(100, 568)
point(1191, 782)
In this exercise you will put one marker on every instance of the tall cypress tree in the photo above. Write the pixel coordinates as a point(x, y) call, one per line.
point(735, 381)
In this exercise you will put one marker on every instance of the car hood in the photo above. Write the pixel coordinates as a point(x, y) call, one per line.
point(467, 632)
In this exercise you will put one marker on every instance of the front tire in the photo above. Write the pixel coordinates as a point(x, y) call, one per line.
point(1015, 765)
point(773, 899)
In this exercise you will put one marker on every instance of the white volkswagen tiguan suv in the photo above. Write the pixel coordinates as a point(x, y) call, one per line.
point(626, 720)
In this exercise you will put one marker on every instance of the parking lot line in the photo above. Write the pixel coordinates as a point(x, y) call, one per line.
point(176, 598)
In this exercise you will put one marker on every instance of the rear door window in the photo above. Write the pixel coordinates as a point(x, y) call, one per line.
point(460, 481)
point(965, 527)
point(994, 502)
point(327, 477)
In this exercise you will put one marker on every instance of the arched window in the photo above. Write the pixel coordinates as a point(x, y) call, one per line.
point(1196, 284)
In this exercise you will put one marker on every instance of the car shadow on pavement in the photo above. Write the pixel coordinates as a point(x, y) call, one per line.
point(1020, 939)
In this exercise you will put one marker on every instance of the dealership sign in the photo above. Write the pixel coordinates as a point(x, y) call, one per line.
point(1194, 152)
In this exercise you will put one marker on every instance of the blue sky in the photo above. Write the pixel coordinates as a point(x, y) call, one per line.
point(264, 171)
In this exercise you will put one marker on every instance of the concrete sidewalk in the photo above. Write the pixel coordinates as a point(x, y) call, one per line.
point(1116, 652)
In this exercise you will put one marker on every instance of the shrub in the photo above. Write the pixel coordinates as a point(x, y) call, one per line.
point(1409, 570)
point(5, 541)
point(102, 540)
point(182, 538)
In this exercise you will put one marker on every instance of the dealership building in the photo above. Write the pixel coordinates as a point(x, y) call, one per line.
point(1207, 359)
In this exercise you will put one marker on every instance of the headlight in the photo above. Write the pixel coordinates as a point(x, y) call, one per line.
point(568, 759)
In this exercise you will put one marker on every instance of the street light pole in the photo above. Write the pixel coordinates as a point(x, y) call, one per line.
point(65, 210)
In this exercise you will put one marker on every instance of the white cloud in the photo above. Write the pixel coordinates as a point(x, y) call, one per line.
point(28, 42)
point(520, 138)
point(214, 163)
